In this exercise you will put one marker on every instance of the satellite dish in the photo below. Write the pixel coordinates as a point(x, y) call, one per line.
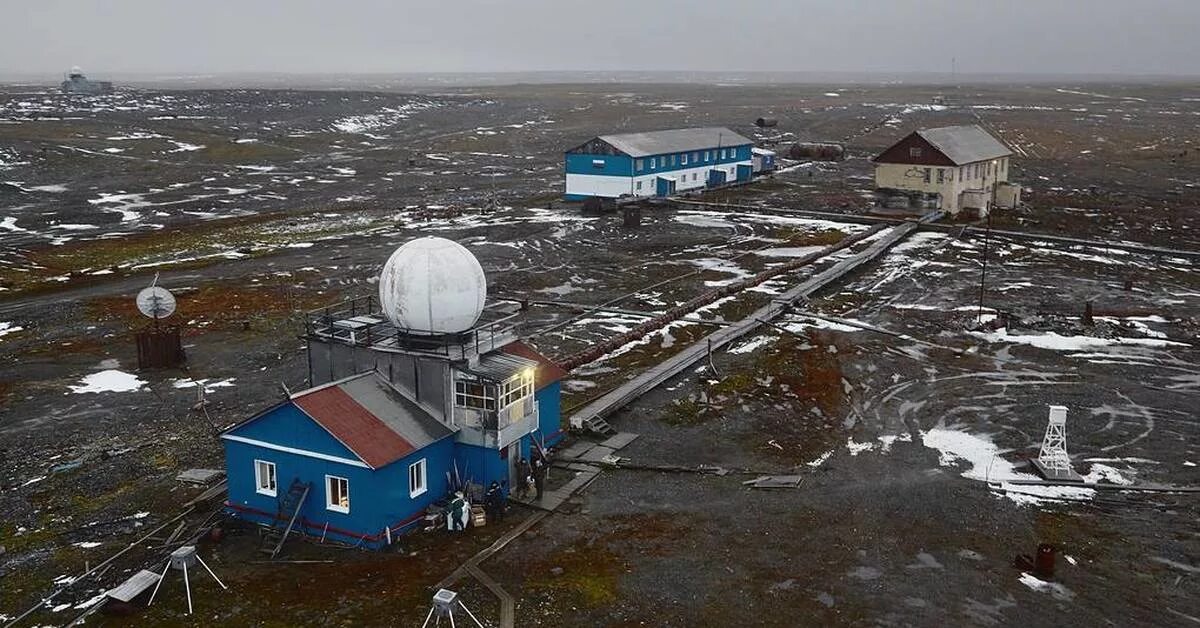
point(156, 302)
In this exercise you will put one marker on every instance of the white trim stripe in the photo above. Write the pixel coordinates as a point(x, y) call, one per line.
point(293, 450)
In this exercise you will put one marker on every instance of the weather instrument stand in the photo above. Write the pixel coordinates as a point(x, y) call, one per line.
point(180, 560)
point(444, 603)
point(1053, 462)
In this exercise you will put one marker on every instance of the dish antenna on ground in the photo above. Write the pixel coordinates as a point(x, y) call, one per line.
point(155, 302)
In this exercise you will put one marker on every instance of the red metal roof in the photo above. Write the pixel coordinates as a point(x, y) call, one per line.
point(548, 371)
point(356, 427)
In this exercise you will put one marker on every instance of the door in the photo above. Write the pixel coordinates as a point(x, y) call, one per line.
point(513, 454)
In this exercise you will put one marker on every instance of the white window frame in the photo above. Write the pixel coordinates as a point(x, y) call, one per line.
point(273, 489)
point(420, 473)
point(639, 165)
point(515, 389)
point(338, 507)
point(685, 156)
point(473, 394)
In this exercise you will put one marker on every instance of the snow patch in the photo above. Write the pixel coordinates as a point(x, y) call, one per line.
point(111, 380)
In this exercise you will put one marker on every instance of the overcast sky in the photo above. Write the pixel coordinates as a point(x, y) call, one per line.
point(353, 36)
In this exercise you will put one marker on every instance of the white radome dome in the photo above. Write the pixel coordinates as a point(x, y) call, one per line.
point(432, 286)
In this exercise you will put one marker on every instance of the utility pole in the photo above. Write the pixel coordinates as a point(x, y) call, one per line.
point(983, 275)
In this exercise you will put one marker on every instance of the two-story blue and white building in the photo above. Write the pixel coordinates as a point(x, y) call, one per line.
point(414, 394)
point(657, 163)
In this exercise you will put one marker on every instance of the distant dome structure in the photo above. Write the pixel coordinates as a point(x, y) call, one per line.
point(432, 286)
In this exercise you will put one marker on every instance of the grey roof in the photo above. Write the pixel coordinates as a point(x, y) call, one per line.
point(674, 141)
point(400, 414)
point(499, 366)
point(965, 144)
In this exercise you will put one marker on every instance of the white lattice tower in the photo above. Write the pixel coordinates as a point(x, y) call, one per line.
point(1053, 455)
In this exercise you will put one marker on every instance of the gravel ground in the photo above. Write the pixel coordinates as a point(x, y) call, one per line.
point(893, 523)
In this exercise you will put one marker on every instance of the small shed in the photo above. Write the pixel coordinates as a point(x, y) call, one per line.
point(764, 160)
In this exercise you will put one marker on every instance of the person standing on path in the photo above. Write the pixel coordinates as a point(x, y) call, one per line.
point(539, 476)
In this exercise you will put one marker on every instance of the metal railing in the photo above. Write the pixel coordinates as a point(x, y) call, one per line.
point(360, 321)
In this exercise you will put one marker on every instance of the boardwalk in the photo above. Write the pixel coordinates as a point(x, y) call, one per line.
point(661, 372)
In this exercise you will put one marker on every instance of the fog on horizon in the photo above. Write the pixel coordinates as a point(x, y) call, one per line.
point(1151, 37)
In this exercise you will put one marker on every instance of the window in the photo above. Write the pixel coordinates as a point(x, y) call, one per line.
point(695, 157)
point(516, 388)
point(722, 153)
point(976, 173)
point(960, 173)
point(337, 494)
point(685, 159)
point(474, 395)
point(639, 185)
point(693, 176)
point(914, 151)
point(652, 163)
point(941, 175)
point(708, 155)
point(673, 159)
point(598, 164)
point(927, 173)
point(639, 164)
point(416, 478)
point(264, 478)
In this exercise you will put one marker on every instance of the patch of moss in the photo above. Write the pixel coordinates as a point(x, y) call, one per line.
point(589, 574)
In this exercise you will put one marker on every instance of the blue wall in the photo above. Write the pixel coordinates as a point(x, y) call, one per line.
point(614, 165)
point(621, 165)
point(378, 498)
point(549, 401)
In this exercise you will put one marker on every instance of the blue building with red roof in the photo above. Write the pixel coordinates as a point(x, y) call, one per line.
point(371, 460)
point(417, 393)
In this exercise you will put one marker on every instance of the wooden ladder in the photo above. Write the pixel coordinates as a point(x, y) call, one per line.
point(289, 506)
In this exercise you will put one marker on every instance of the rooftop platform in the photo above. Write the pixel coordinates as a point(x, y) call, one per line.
point(360, 322)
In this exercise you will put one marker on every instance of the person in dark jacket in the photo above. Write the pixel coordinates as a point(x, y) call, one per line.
point(524, 473)
point(539, 475)
point(491, 501)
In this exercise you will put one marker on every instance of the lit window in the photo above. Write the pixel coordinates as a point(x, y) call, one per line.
point(264, 478)
point(516, 388)
point(337, 494)
point(416, 478)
